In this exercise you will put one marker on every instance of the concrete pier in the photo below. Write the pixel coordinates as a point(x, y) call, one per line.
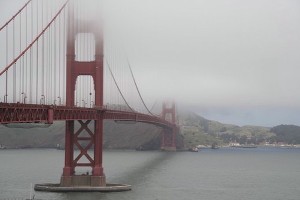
point(170, 149)
point(82, 180)
point(82, 183)
point(48, 187)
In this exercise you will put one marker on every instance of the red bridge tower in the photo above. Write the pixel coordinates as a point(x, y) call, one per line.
point(92, 138)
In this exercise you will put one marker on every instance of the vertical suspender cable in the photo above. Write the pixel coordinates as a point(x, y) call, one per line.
point(78, 100)
point(50, 65)
point(86, 59)
point(25, 62)
point(50, 58)
point(31, 60)
point(59, 61)
point(64, 56)
point(23, 75)
point(47, 75)
point(37, 55)
point(116, 97)
point(6, 73)
point(21, 68)
point(48, 70)
point(23, 71)
point(113, 96)
point(14, 67)
point(90, 78)
point(54, 62)
point(43, 57)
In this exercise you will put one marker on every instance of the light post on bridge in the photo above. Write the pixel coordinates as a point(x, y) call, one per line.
point(25, 97)
point(90, 99)
point(59, 102)
point(42, 99)
point(21, 97)
point(92, 104)
point(5, 98)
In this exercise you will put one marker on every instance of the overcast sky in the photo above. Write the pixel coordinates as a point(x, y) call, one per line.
point(235, 61)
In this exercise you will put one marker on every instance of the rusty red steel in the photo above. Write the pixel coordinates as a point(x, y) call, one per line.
point(32, 113)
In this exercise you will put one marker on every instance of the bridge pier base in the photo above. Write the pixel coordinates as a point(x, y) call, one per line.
point(83, 180)
point(169, 149)
point(82, 183)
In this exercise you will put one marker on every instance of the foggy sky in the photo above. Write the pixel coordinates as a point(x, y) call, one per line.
point(229, 60)
point(236, 61)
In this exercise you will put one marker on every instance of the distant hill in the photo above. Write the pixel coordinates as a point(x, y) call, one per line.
point(200, 131)
point(287, 134)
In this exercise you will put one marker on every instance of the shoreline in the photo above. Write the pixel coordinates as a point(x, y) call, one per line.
point(178, 150)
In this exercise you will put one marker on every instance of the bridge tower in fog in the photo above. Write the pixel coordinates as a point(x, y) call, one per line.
point(75, 138)
point(168, 141)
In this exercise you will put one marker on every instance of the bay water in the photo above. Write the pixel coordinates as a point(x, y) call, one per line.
point(221, 174)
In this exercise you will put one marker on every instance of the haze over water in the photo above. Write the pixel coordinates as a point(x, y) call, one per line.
point(225, 174)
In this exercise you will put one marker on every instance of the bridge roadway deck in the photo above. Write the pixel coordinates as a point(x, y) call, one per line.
point(33, 113)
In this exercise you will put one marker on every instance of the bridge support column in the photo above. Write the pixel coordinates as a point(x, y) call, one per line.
point(98, 177)
point(69, 168)
point(83, 139)
point(168, 141)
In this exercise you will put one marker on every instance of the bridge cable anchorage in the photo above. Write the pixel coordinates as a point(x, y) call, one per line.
point(36, 39)
point(13, 17)
point(111, 73)
point(136, 86)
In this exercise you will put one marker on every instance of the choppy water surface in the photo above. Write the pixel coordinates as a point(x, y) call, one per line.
point(223, 174)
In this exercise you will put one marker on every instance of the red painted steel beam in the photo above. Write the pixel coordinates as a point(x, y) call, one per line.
point(29, 113)
point(136, 117)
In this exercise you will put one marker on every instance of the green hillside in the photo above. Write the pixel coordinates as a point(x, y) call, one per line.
point(200, 131)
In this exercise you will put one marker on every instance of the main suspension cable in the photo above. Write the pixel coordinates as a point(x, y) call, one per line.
point(137, 88)
point(13, 17)
point(118, 85)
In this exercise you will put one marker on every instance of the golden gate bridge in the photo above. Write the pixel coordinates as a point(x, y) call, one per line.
point(56, 66)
